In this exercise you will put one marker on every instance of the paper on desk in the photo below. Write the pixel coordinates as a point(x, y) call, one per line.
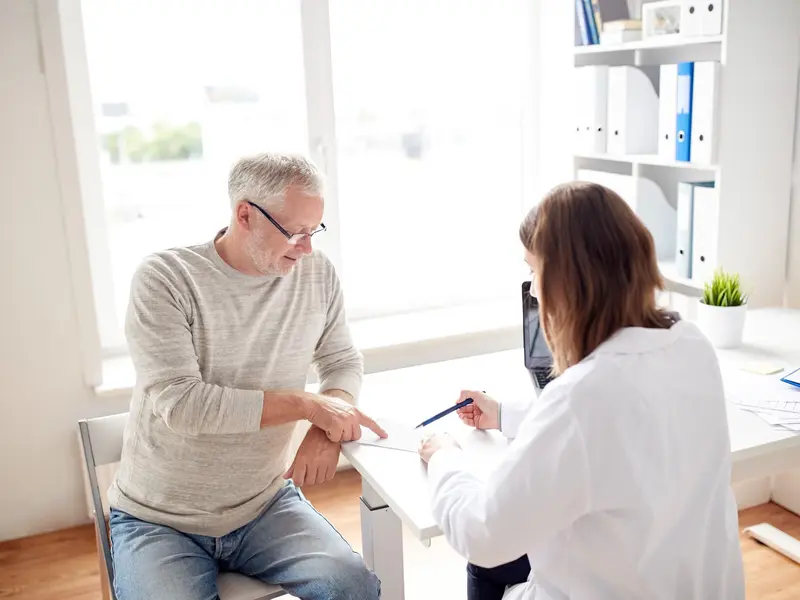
point(766, 396)
point(402, 436)
point(776, 418)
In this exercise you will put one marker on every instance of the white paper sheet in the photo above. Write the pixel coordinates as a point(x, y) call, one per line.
point(402, 436)
point(760, 392)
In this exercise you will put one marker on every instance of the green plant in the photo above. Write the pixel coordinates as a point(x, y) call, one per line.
point(724, 289)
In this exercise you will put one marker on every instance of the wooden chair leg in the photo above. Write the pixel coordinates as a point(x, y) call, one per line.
point(105, 587)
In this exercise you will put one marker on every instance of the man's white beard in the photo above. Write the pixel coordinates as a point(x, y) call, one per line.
point(261, 261)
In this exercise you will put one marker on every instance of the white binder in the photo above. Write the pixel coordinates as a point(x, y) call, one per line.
point(692, 18)
point(632, 112)
point(683, 244)
point(597, 98)
point(647, 200)
point(581, 111)
point(592, 109)
point(685, 227)
point(705, 233)
point(711, 11)
point(705, 98)
point(667, 109)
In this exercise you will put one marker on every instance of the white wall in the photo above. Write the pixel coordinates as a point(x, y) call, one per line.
point(42, 394)
point(793, 266)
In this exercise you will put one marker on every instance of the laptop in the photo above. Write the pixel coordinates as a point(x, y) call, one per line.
point(538, 358)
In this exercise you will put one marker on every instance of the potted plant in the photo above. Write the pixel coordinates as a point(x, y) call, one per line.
point(722, 309)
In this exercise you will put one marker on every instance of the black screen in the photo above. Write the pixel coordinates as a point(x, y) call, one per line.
point(537, 354)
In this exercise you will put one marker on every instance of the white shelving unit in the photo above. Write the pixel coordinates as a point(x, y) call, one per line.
point(649, 159)
point(759, 54)
point(665, 42)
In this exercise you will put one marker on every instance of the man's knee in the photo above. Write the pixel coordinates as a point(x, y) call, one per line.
point(347, 577)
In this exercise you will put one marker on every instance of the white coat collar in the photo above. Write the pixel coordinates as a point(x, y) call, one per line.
point(639, 340)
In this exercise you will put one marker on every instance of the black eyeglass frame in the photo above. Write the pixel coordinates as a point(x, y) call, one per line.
point(292, 237)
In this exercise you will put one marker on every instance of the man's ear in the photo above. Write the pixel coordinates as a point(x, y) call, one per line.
point(243, 215)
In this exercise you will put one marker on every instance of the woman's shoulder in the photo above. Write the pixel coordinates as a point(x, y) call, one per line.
point(633, 364)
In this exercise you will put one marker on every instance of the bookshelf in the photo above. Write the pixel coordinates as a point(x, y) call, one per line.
point(666, 42)
point(649, 159)
point(759, 56)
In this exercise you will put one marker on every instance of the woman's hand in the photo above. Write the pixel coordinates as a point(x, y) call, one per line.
point(439, 441)
point(483, 413)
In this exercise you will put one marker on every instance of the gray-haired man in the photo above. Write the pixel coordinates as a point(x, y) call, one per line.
point(222, 336)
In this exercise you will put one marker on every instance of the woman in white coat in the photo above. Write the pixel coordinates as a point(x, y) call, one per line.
point(617, 482)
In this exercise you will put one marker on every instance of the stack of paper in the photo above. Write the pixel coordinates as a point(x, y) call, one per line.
point(775, 401)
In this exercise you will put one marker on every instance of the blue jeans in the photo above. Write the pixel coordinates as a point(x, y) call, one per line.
point(290, 544)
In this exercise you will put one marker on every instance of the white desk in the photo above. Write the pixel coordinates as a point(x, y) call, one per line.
point(395, 489)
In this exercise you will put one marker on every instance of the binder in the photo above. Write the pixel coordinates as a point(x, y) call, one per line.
point(647, 200)
point(683, 122)
point(705, 233)
point(591, 109)
point(705, 97)
point(632, 112)
point(667, 109)
point(711, 22)
point(595, 98)
point(685, 226)
point(691, 18)
point(581, 107)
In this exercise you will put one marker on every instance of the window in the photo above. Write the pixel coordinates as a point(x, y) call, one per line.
point(428, 101)
point(426, 104)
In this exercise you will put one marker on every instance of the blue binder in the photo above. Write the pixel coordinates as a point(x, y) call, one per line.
point(683, 123)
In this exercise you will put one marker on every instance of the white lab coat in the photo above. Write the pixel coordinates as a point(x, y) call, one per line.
point(617, 484)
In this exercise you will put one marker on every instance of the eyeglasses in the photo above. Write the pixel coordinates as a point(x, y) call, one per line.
point(293, 238)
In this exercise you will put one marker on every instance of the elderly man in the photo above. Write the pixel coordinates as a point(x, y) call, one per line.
point(222, 336)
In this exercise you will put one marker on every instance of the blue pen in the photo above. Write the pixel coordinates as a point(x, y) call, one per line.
point(445, 412)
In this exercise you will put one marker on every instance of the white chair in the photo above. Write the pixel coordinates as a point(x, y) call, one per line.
point(101, 441)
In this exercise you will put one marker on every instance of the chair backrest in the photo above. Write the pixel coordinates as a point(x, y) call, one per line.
point(105, 437)
point(101, 442)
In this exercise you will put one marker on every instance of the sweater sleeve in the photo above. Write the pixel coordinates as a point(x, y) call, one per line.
point(338, 362)
point(158, 331)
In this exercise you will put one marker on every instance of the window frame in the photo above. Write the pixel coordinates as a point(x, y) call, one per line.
point(66, 73)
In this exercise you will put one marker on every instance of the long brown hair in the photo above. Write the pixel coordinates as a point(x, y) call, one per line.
point(597, 269)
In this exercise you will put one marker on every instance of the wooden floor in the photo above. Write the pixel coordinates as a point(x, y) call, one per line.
point(63, 565)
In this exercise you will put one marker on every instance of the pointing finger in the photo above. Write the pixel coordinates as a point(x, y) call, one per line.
point(370, 424)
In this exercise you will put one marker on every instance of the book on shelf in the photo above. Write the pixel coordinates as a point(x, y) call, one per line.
point(620, 37)
point(622, 25)
point(583, 25)
point(590, 16)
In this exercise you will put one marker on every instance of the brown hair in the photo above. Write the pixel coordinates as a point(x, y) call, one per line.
point(597, 269)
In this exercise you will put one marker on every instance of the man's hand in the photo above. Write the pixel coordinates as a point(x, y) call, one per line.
point(316, 459)
point(340, 421)
point(483, 413)
point(430, 446)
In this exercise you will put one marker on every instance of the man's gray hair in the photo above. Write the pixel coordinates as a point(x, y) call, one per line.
point(264, 178)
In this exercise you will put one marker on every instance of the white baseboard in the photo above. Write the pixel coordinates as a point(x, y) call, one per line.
point(752, 493)
point(786, 491)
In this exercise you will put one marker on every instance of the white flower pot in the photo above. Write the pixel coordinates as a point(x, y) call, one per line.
point(722, 325)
